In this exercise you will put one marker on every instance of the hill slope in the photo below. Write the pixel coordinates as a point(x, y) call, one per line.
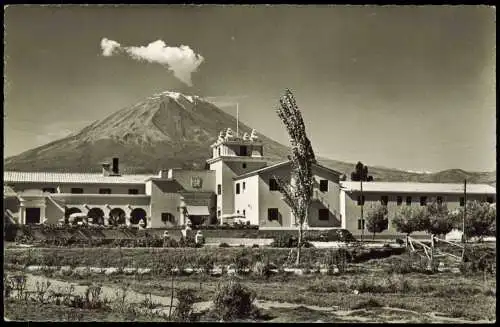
point(168, 130)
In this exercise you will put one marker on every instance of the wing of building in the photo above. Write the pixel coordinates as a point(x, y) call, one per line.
point(239, 182)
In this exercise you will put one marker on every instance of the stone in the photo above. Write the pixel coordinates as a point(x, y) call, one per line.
point(111, 271)
point(129, 271)
point(143, 271)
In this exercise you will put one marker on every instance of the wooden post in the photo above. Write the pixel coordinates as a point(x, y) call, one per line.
point(432, 252)
point(171, 297)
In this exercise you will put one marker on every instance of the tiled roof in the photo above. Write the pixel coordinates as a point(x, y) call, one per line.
point(392, 187)
point(77, 178)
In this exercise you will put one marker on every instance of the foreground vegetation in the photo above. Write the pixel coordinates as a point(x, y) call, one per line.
point(358, 286)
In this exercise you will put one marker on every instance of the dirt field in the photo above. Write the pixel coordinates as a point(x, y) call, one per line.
point(370, 291)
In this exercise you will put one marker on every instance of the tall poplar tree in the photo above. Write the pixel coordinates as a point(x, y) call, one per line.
point(299, 191)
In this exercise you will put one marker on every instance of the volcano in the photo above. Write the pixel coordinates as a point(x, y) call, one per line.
point(175, 130)
point(166, 130)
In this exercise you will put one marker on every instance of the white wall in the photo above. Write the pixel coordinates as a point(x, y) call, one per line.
point(248, 199)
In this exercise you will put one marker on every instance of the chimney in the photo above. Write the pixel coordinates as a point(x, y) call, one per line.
point(116, 168)
point(165, 173)
point(105, 169)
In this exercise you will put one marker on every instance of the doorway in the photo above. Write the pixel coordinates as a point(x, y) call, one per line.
point(32, 216)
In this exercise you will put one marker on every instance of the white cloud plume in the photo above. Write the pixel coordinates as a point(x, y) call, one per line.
point(182, 61)
point(109, 46)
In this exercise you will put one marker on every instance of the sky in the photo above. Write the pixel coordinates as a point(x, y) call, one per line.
point(397, 86)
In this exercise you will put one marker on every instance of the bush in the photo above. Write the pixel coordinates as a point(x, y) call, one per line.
point(363, 304)
point(234, 301)
point(479, 260)
point(171, 243)
point(288, 241)
point(262, 269)
point(224, 245)
point(184, 310)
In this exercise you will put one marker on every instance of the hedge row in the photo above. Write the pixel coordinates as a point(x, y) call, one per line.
point(76, 234)
point(154, 258)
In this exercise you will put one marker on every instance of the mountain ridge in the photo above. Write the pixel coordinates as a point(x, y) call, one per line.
point(173, 130)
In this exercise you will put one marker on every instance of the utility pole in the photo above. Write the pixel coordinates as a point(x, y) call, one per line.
point(463, 218)
point(237, 120)
point(362, 218)
point(465, 208)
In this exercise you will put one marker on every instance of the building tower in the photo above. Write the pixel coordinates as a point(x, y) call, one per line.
point(233, 155)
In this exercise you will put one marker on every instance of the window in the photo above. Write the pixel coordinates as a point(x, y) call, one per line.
point(244, 165)
point(167, 217)
point(237, 211)
point(77, 190)
point(219, 189)
point(423, 200)
point(384, 199)
point(237, 188)
point(408, 200)
point(399, 200)
point(244, 186)
point(49, 190)
point(272, 214)
point(439, 200)
point(218, 213)
point(462, 201)
point(133, 191)
point(323, 185)
point(359, 200)
point(104, 191)
point(244, 212)
point(243, 151)
point(361, 223)
point(490, 199)
point(323, 214)
point(218, 150)
point(273, 185)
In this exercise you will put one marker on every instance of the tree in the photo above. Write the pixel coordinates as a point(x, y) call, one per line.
point(437, 219)
point(377, 219)
point(480, 219)
point(361, 173)
point(409, 220)
point(298, 192)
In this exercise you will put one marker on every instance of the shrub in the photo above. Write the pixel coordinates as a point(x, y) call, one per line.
point(262, 269)
point(363, 304)
point(184, 310)
point(224, 245)
point(289, 241)
point(234, 301)
point(171, 243)
point(478, 260)
point(332, 235)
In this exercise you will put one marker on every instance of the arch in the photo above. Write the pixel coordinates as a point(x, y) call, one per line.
point(117, 216)
point(68, 212)
point(137, 215)
point(97, 216)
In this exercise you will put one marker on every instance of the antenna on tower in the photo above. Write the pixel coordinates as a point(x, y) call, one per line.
point(237, 120)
